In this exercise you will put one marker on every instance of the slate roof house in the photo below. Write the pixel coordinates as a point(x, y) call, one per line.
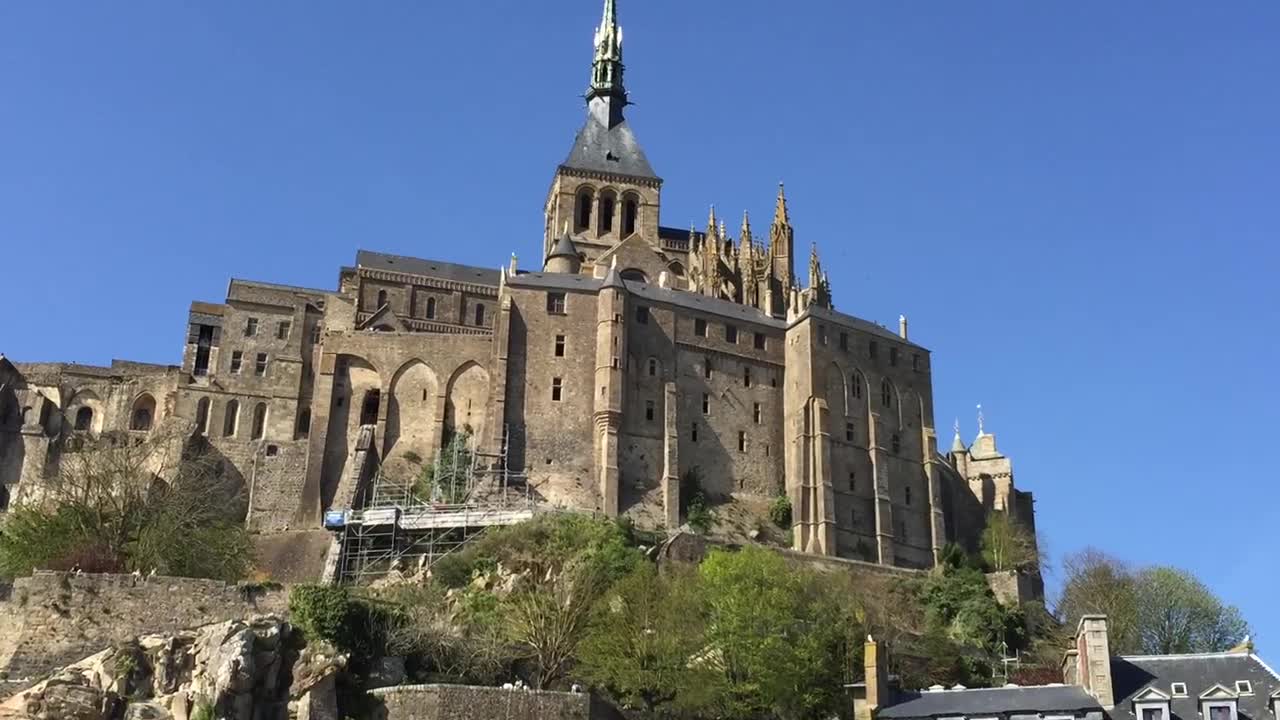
point(1232, 685)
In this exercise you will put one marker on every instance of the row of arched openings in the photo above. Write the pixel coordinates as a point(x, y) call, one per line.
point(231, 419)
point(605, 212)
point(141, 415)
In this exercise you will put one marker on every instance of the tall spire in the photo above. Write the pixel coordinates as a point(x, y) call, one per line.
point(780, 216)
point(606, 67)
point(781, 244)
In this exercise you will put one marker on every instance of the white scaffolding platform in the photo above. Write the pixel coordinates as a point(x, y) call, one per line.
point(399, 531)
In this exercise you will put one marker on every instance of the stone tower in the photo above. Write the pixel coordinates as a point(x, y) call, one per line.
point(611, 353)
point(605, 191)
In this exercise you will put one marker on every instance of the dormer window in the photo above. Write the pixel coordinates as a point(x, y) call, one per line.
point(1151, 704)
point(1243, 687)
point(1179, 689)
point(1218, 703)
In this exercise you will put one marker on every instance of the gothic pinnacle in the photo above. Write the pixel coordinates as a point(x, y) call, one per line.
point(780, 216)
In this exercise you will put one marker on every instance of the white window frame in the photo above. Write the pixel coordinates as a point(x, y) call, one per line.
point(1248, 687)
point(1207, 705)
point(1173, 688)
point(1161, 705)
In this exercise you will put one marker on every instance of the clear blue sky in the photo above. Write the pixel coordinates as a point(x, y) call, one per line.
point(1075, 203)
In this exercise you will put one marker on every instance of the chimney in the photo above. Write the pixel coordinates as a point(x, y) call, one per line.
point(902, 326)
point(1089, 663)
point(876, 665)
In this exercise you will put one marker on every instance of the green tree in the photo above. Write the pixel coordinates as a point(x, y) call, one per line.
point(1176, 613)
point(644, 633)
point(109, 510)
point(774, 641)
point(1006, 544)
point(447, 478)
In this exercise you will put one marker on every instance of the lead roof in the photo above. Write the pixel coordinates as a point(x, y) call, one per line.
point(613, 150)
point(428, 268)
point(992, 702)
point(1131, 675)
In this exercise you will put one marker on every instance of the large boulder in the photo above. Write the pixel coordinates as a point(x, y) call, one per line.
point(240, 670)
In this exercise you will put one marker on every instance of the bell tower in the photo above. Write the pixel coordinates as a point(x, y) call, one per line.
point(605, 191)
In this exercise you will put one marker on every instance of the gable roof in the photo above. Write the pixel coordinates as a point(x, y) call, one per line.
point(1206, 675)
point(428, 268)
point(1151, 693)
point(1044, 699)
point(612, 150)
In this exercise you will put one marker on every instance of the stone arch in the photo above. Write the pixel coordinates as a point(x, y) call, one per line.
point(411, 409)
point(584, 198)
point(466, 401)
point(85, 411)
point(676, 268)
point(630, 214)
point(632, 274)
point(142, 414)
point(353, 378)
point(202, 416)
point(231, 418)
point(890, 402)
point(836, 390)
point(606, 215)
point(259, 421)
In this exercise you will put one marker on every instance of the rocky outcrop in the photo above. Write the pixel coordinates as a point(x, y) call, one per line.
point(232, 670)
point(53, 619)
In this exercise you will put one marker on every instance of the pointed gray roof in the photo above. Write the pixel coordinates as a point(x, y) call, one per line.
point(564, 247)
point(613, 280)
point(957, 445)
point(614, 150)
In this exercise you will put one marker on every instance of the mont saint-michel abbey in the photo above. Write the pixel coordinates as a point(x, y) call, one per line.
point(632, 359)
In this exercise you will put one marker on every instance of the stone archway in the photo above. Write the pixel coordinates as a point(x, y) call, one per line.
point(466, 401)
point(411, 412)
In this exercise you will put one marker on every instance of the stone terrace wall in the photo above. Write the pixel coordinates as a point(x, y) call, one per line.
point(462, 702)
point(54, 619)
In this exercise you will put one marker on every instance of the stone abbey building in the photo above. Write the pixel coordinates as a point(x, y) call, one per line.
point(634, 356)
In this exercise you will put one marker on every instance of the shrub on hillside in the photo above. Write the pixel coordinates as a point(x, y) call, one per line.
point(106, 510)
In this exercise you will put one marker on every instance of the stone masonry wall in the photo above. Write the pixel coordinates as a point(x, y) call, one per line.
point(461, 702)
point(54, 619)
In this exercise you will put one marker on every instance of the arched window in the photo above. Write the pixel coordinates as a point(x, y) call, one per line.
point(231, 418)
point(304, 424)
point(382, 298)
point(897, 445)
point(84, 419)
point(653, 367)
point(855, 385)
point(634, 275)
point(630, 215)
point(202, 416)
point(582, 213)
point(4, 497)
point(369, 409)
point(886, 394)
point(608, 204)
point(413, 304)
point(431, 308)
point(259, 421)
point(479, 315)
point(144, 413)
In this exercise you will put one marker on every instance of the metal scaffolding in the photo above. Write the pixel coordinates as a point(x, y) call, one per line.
point(404, 527)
